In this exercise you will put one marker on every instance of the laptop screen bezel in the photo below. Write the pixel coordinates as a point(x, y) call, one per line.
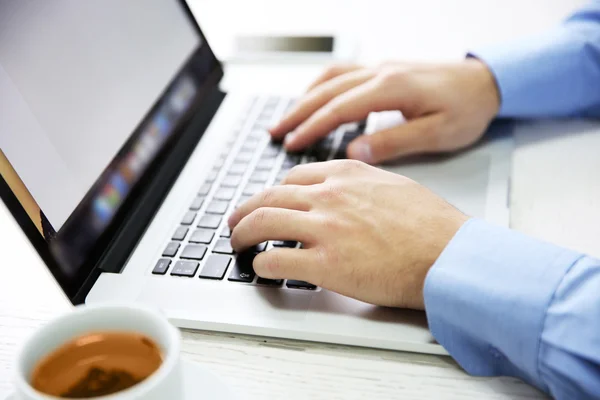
point(89, 270)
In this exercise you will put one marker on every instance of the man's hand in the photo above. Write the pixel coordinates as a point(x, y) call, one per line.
point(366, 233)
point(448, 107)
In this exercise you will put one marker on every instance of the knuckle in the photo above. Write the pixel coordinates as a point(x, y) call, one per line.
point(333, 225)
point(257, 218)
point(348, 167)
point(391, 75)
point(267, 197)
point(329, 192)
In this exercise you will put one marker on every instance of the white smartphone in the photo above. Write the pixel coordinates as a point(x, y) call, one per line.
point(292, 48)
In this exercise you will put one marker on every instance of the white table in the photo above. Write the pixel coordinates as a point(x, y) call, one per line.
point(556, 195)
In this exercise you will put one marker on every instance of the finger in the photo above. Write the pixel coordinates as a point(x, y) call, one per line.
point(415, 137)
point(309, 174)
point(299, 264)
point(317, 173)
point(353, 105)
point(289, 196)
point(265, 224)
point(332, 72)
point(317, 98)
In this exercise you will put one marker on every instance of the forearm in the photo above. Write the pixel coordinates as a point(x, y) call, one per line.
point(499, 302)
point(555, 74)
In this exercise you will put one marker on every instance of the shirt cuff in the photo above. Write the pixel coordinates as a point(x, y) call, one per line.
point(548, 75)
point(486, 298)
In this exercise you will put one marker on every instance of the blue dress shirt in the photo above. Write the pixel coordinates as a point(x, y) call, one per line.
point(500, 302)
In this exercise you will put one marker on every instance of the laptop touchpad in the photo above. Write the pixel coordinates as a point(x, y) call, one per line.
point(461, 179)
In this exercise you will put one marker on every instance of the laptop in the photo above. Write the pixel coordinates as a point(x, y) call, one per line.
point(121, 159)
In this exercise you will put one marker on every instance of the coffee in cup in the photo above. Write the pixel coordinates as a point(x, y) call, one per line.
point(97, 364)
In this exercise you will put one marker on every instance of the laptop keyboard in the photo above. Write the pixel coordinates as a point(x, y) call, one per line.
point(200, 244)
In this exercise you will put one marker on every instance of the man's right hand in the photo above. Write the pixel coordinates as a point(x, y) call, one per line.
point(447, 106)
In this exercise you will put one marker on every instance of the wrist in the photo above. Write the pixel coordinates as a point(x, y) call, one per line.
point(485, 86)
point(446, 231)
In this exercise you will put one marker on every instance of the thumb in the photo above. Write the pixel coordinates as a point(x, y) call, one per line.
point(415, 137)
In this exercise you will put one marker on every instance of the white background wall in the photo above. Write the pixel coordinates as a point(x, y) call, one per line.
point(463, 23)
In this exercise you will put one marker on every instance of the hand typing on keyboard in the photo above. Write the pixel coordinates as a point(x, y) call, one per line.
point(366, 233)
point(448, 107)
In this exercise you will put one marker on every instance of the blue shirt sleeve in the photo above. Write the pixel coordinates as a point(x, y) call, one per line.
point(555, 74)
point(503, 303)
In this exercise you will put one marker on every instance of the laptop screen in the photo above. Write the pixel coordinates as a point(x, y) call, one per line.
point(90, 91)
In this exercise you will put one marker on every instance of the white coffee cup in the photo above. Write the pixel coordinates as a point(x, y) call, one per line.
point(164, 383)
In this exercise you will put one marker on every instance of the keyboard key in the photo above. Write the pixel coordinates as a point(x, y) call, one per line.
point(188, 218)
point(262, 124)
point(217, 207)
point(311, 159)
point(217, 167)
point(209, 221)
point(252, 188)
point(202, 236)
point(242, 270)
point(269, 282)
point(223, 246)
point(272, 150)
point(180, 233)
point(213, 175)
point(215, 267)
point(362, 125)
point(161, 266)
point(260, 176)
point(185, 268)
point(282, 174)
point(340, 153)
point(266, 164)
point(226, 232)
point(284, 243)
point(232, 181)
point(225, 193)
point(197, 203)
point(272, 102)
point(320, 151)
point(258, 132)
point(300, 285)
point(171, 249)
point(244, 157)
point(259, 248)
point(249, 146)
point(351, 135)
point(204, 189)
point(252, 141)
point(291, 160)
point(238, 169)
point(193, 252)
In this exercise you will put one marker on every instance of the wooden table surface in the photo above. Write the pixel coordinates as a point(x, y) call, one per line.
point(555, 196)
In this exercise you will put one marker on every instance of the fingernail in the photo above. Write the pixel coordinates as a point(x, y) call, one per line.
point(362, 151)
point(274, 127)
point(289, 139)
point(232, 221)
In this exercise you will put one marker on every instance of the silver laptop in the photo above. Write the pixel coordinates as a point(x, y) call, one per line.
point(121, 159)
